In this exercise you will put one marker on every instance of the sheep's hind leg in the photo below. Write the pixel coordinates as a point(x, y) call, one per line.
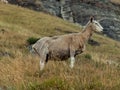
point(43, 61)
point(72, 61)
point(42, 64)
point(44, 57)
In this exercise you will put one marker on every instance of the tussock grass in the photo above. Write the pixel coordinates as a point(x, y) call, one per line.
point(19, 70)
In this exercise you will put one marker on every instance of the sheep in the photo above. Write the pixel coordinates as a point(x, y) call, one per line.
point(65, 46)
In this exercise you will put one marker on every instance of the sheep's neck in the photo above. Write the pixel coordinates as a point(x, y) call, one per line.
point(87, 33)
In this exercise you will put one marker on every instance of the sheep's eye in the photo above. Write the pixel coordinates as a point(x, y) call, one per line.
point(97, 24)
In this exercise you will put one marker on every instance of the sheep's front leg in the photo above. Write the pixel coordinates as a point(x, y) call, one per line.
point(72, 58)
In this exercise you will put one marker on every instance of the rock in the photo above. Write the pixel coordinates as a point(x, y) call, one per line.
point(52, 6)
point(66, 11)
point(111, 28)
point(5, 54)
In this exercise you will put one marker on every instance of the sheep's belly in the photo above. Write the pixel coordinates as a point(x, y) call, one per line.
point(60, 55)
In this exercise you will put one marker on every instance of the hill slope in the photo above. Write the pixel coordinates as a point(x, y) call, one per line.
point(79, 11)
point(19, 70)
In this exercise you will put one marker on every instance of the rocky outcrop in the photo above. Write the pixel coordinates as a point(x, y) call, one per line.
point(66, 11)
point(111, 27)
point(52, 6)
point(79, 11)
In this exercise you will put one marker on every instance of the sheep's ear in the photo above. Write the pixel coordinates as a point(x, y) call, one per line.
point(91, 19)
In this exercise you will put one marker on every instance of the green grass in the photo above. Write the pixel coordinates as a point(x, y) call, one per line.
point(20, 70)
point(32, 40)
point(53, 83)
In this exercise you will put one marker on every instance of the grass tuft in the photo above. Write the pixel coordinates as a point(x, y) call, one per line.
point(32, 40)
point(51, 84)
point(88, 56)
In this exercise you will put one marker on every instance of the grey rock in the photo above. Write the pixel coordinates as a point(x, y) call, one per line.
point(5, 54)
point(111, 28)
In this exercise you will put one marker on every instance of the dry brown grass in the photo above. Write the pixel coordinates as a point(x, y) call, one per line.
point(23, 73)
point(19, 70)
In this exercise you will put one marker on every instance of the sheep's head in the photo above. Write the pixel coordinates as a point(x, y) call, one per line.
point(96, 25)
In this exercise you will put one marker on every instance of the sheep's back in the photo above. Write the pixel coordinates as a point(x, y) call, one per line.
point(41, 44)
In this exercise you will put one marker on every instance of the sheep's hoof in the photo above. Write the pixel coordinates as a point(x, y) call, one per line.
point(38, 74)
point(41, 73)
point(71, 66)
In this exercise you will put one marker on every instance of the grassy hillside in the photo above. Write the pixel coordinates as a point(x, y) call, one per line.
point(19, 70)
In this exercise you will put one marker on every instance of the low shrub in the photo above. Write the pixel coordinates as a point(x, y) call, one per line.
point(32, 40)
